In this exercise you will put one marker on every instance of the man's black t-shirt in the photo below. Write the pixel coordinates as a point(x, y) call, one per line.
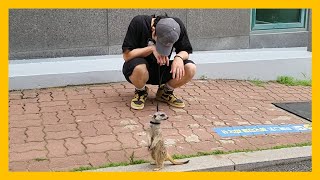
point(139, 32)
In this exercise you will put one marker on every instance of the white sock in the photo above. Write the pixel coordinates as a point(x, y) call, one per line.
point(168, 87)
point(141, 89)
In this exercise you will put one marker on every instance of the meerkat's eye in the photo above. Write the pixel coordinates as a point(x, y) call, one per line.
point(162, 115)
point(154, 116)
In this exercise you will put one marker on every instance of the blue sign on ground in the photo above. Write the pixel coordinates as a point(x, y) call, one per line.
point(261, 129)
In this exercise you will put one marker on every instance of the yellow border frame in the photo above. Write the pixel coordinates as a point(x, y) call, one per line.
point(5, 5)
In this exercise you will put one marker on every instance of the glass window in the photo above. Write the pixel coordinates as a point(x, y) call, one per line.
point(278, 18)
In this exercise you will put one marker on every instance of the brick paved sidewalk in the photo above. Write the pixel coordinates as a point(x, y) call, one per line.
point(58, 129)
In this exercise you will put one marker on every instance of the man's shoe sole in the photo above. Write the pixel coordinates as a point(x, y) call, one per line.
point(171, 104)
point(137, 108)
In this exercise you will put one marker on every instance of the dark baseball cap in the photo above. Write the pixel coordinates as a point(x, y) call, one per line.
point(168, 32)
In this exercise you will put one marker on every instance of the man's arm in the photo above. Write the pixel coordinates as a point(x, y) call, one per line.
point(184, 55)
point(139, 52)
point(177, 68)
point(144, 52)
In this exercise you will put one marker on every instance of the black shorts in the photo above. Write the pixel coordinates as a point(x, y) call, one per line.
point(153, 69)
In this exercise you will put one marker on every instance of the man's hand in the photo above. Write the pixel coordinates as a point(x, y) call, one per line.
point(177, 68)
point(162, 60)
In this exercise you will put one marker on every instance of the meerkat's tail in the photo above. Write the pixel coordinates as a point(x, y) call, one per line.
point(175, 162)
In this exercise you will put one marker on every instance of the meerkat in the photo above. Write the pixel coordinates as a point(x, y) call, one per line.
point(157, 147)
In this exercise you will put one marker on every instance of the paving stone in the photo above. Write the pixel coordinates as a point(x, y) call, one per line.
point(68, 163)
point(103, 147)
point(35, 134)
point(98, 159)
point(102, 127)
point(39, 166)
point(87, 129)
point(18, 166)
point(62, 134)
point(74, 146)
point(17, 135)
point(65, 117)
point(56, 148)
point(127, 140)
point(117, 156)
point(58, 129)
point(29, 155)
point(99, 139)
point(24, 147)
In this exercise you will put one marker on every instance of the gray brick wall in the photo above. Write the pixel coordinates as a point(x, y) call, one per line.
point(41, 33)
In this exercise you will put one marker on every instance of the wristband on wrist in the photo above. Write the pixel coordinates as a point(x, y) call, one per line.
point(151, 42)
point(178, 57)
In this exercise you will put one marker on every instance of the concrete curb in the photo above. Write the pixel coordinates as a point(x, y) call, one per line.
point(264, 64)
point(244, 161)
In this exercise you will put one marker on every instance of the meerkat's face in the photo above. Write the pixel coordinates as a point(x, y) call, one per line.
point(159, 116)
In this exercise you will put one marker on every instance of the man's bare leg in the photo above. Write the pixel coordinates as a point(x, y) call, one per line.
point(190, 71)
point(139, 78)
point(165, 93)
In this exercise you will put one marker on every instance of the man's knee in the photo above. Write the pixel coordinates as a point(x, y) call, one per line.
point(140, 72)
point(140, 69)
point(190, 69)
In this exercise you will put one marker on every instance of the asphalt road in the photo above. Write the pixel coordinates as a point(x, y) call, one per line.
point(302, 166)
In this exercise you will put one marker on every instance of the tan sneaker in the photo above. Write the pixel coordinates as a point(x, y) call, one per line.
point(169, 98)
point(139, 99)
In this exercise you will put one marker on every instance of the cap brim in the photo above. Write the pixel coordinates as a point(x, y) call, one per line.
point(163, 50)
